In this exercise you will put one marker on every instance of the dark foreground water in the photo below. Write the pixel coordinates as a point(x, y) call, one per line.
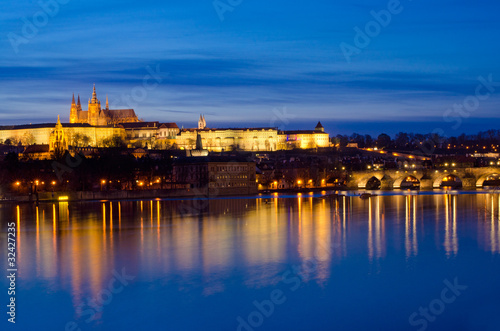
point(297, 263)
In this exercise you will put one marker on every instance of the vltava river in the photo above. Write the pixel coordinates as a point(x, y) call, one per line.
point(419, 262)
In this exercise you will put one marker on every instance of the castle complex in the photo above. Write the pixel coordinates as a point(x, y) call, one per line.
point(97, 127)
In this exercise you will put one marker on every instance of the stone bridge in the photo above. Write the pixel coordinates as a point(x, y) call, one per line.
point(428, 178)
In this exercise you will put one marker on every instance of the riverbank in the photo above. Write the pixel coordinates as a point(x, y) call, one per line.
point(205, 194)
point(107, 195)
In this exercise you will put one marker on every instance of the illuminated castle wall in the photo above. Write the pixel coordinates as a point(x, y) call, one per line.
point(40, 133)
point(251, 139)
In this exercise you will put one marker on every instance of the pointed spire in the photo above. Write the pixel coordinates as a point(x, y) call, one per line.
point(94, 96)
point(79, 104)
point(58, 120)
point(73, 100)
point(107, 104)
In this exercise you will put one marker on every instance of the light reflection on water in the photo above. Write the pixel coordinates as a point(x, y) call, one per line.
point(202, 249)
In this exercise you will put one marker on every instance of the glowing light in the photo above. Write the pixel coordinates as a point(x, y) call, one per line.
point(53, 182)
point(18, 183)
point(63, 198)
point(103, 181)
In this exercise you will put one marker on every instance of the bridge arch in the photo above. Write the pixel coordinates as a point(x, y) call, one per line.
point(480, 181)
point(365, 181)
point(401, 181)
point(446, 178)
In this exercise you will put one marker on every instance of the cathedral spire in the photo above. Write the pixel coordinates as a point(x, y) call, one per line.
point(73, 100)
point(94, 96)
point(79, 104)
point(107, 104)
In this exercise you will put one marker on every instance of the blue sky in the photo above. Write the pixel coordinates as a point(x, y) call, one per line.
point(276, 63)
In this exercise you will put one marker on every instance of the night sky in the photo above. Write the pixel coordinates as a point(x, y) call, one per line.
point(257, 63)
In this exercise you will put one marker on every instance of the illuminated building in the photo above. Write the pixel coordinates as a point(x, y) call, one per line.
point(252, 139)
point(220, 174)
point(97, 116)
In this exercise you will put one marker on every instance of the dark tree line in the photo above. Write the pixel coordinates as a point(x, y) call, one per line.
point(411, 141)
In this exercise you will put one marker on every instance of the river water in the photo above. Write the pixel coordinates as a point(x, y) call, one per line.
point(303, 262)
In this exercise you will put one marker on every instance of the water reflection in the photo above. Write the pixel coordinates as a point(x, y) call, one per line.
point(376, 229)
point(489, 230)
point(78, 245)
point(411, 234)
point(450, 232)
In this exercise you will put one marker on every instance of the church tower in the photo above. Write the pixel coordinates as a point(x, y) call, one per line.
point(57, 140)
point(73, 113)
point(78, 104)
point(202, 123)
point(94, 109)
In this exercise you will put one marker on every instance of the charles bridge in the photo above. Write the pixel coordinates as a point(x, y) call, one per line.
point(427, 178)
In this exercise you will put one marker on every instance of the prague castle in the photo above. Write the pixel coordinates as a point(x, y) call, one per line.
point(99, 127)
